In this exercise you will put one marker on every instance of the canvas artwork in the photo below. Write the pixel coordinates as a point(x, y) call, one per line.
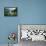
point(33, 32)
point(10, 11)
point(12, 38)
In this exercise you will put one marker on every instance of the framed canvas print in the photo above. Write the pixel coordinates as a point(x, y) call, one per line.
point(10, 11)
point(32, 32)
point(12, 38)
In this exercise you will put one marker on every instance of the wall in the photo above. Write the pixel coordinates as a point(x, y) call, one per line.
point(33, 12)
point(7, 24)
point(29, 12)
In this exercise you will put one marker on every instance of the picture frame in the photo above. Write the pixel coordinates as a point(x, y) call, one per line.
point(34, 32)
point(10, 11)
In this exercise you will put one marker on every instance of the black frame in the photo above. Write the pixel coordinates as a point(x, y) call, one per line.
point(6, 11)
